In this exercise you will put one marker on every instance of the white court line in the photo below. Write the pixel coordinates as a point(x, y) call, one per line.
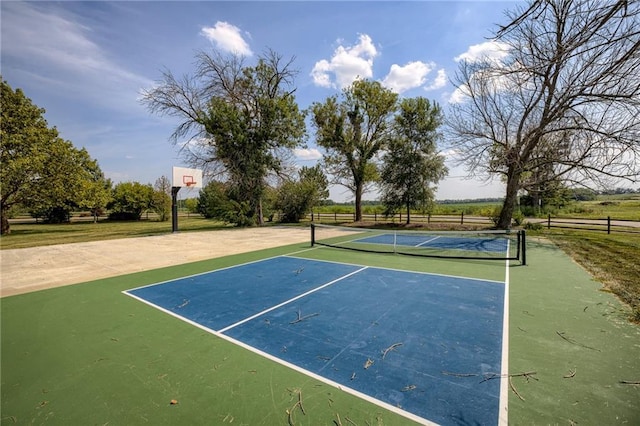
point(313, 290)
point(428, 241)
point(503, 414)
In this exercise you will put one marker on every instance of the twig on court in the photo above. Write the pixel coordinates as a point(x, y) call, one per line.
point(408, 388)
point(297, 404)
point(300, 402)
point(446, 373)
point(390, 348)
point(528, 375)
point(630, 382)
point(513, 388)
point(185, 303)
point(338, 422)
point(561, 334)
point(572, 373)
point(368, 363)
point(350, 421)
point(302, 318)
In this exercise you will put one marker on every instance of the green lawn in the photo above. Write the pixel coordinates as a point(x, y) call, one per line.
point(38, 234)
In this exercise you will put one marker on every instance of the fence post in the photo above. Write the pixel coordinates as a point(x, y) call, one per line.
point(608, 224)
point(400, 217)
point(462, 218)
point(375, 217)
point(428, 217)
point(549, 221)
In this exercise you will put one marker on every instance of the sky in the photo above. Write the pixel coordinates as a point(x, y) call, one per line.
point(86, 64)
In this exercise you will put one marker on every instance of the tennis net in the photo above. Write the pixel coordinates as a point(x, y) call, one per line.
point(483, 244)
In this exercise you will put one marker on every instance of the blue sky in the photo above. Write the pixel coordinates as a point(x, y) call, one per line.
point(87, 62)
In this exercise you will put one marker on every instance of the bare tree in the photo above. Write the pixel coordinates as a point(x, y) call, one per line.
point(563, 103)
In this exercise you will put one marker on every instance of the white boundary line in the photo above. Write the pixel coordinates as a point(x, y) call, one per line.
point(308, 373)
point(293, 299)
point(503, 413)
point(428, 241)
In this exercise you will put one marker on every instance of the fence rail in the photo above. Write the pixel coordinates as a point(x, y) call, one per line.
point(607, 225)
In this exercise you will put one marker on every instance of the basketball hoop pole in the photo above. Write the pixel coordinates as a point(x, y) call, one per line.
point(174, 208)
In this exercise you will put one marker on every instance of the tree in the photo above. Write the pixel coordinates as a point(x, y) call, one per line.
point(296, 198)
point(41, 171)
point(240, 120)
point(411, 163)
point(161, 199)
point(564, 97)
point(353, 131)
point(216, 202)
point(130, 200)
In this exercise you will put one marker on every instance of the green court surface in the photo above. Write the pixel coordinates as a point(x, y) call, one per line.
point(89, 354)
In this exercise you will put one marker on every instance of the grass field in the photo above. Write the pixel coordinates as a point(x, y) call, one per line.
point(39, 234)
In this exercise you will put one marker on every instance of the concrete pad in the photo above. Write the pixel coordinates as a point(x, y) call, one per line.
point(37, 268)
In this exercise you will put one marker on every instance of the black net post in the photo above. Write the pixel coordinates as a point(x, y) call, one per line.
point(523, 241)
point(313, 234)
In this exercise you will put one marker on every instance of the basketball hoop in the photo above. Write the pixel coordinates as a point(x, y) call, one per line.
point(188, 181)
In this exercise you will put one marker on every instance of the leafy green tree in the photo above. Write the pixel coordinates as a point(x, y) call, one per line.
point(41, 171)
point(353, 131)
point(213, 202)
point(130, 200)
point(241, 120)
point(191, 204)
point(161, 199)
point(412, 162)
point(296, 198)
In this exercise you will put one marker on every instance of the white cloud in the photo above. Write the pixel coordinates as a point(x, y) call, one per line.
point(227, 37)
point(439, 82)
point(489, 50)
point(346, 65)
point(412, 75)
point(307, 154)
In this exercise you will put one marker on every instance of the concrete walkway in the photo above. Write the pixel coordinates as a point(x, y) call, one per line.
point(37, 268)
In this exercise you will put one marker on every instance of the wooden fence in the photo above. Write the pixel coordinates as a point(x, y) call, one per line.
point(607, 225)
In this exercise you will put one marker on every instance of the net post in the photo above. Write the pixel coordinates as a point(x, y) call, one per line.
point(523, 241)
point(313, 234)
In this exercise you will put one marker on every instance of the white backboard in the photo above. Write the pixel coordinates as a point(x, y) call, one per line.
point(187, 178)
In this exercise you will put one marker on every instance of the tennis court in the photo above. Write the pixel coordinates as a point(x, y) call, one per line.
point(415, 343)
point(316, 335)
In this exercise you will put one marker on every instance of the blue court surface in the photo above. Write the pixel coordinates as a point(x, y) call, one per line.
point(420, 344)
point(489, 244)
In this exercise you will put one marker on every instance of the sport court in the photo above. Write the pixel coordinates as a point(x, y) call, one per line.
point(430, 347)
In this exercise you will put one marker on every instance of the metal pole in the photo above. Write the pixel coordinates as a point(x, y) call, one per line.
point(174, 208)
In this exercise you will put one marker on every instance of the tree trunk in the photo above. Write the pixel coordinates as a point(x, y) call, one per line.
point(259, 213)
point(359, 188)
point(4, 228)
point(513, 184)
point(408, 214)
